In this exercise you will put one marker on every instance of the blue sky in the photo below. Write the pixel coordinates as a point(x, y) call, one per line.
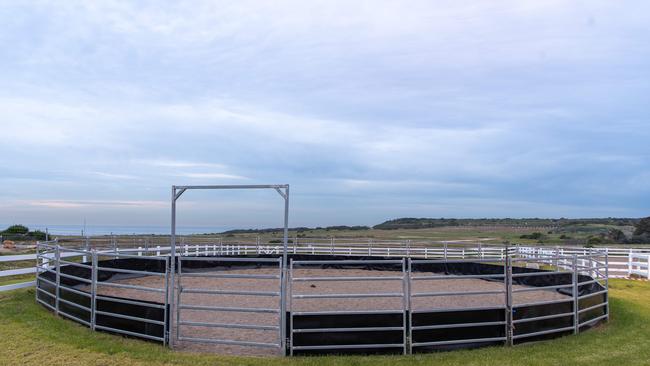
point(370, 110)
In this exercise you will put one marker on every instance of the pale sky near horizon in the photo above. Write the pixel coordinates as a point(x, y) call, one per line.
point(371, 110)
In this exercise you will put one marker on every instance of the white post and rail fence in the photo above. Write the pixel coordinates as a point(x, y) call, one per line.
point(621, 262)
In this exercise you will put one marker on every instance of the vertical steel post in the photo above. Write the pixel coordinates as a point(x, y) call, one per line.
point(37, 268)
point(172, 263)
point(290, 300)
point(409, 306)
point(93, 290)
point(177, 295)
point(507, 278)
point(576, 315)
point(283, 285)
point(404, 307)
point(166, 317)
point(607, 283)
point(58, 278)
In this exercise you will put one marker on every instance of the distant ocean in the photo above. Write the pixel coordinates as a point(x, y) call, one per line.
point(120, 229)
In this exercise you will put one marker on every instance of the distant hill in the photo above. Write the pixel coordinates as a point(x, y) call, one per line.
point(297, 229)
point(423, 223)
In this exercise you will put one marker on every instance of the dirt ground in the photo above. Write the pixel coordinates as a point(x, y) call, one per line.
point(306, 305)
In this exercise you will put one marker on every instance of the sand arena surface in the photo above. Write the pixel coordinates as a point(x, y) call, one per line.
point(307, 287)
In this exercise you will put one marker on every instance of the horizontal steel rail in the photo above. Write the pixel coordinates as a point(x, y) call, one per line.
point(231, 259)
point(592, 294)
point(541, 288)
point(228, 292)
point(343, 312)
point(38, 289)
point(455, 277)
point(73, 290)
point(75, 264)
point(594, 320)
point(127, 317)
point(131, 271)
point(228, 309)
point(544, 317)
point(344, 330)
point(228, 325)
point(544, 332)
point(444, 310)
point(232, 275)
point(52, 308)
point(451, 293)
point(348, 346)
point(130, 302)
point(346, 262)
point(75, 318)
point(74, 304)
point(343, 296)
point(532, 274)
point(229, 342)
point(343, 278)
point(76, 278)
point(131, 287)
point(126, 332)
point(117, 255)
point(548, 302)
point(458, 325)
point(602, 304)
point(459, 341)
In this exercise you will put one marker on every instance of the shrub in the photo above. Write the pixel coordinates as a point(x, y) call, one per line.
point(37, 235)
point(534, 236)
point(594, 240)
point(643, 227)
point(16, 230)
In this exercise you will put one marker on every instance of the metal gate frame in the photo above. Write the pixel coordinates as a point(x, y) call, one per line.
point(283, 190)
point(276, 262)
point(403, 295)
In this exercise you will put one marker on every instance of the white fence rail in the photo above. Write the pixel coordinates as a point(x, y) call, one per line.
point(639, 265)
point(622, 262)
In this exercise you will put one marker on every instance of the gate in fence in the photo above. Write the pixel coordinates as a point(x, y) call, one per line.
point(379, 327)
point(213, 306)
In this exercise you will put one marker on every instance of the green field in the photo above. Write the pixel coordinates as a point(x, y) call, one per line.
point(31, 335)
point(567, 235)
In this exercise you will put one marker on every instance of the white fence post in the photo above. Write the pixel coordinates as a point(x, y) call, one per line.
point(630, 257)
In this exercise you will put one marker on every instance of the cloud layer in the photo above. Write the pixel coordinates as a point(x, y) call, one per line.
point(370, 110)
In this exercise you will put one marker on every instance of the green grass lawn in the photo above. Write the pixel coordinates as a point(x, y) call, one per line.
point(30, 335)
